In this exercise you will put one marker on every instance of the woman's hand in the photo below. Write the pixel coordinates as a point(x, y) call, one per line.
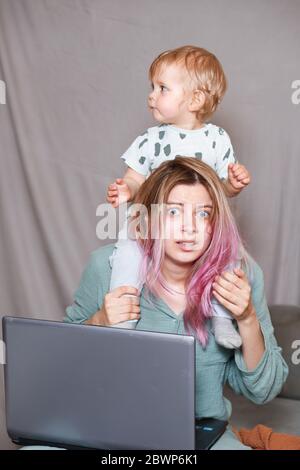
point(233, 291)
point(118, 306)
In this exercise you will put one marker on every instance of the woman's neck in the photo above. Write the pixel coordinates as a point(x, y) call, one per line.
point(175, 275)
point(171, 288)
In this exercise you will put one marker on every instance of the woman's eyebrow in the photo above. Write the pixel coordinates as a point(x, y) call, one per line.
point(173, 203)
point(209, 206)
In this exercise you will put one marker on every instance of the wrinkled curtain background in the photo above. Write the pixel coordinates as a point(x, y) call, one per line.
point(76, 88)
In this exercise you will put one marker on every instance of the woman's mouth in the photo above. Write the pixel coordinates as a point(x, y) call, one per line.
point(186, 245)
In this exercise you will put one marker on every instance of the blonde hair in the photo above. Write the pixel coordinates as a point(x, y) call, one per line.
point(205, 71)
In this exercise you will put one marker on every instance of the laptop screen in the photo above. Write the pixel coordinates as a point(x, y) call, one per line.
point(99, 387)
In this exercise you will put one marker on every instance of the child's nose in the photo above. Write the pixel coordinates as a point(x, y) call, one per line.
point(151, 96)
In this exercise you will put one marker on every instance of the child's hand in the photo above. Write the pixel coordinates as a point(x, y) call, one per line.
point(233, 291)
point(238, 176)
point(118, 192)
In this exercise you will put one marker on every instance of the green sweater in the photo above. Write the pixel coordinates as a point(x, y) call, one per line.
point(215, 365)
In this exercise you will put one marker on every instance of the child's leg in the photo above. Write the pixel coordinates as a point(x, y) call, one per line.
point(224, 331)
point(125, 262)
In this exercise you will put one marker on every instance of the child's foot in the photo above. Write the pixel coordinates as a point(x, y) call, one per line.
point(225, 333)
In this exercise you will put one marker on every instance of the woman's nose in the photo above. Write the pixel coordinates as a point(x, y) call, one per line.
point(188, 228)
point(188, 223)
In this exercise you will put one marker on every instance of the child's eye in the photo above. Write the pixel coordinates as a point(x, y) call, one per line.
point(174, 211)
point(163, 88)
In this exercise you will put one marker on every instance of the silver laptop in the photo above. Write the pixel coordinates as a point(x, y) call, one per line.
point(79, 386)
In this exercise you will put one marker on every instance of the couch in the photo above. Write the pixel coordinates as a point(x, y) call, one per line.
point(283, 413)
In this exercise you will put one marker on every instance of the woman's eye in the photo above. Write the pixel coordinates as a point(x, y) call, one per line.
point(173, 211)
point(203, 214)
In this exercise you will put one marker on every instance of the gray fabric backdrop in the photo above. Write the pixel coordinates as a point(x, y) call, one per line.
point(76, 88)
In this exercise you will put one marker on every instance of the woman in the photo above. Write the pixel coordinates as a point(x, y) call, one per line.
point(193, 240)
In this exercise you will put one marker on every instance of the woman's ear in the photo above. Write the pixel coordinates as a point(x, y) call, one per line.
point(197, 100)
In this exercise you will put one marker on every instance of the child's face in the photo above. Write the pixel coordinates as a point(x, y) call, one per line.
point(170, 96)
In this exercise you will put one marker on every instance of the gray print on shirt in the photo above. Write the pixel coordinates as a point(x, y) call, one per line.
point(182, 136)
point(161, 134)
point(221, 131)
point(214, 144)
point(226, 154)
point(206, 133)
point(142, 160)
point(198, 155)
point(167, 150)
point(143, 142)
point(157, 149)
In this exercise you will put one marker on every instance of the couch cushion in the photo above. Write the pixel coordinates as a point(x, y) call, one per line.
point(286, 322)
point(281, 414)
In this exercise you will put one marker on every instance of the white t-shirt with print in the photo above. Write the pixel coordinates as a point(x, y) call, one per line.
point(210, 144)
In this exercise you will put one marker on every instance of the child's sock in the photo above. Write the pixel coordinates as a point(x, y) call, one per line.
point(225, 333)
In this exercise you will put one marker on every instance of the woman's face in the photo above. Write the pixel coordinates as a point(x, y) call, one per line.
point(187, 223)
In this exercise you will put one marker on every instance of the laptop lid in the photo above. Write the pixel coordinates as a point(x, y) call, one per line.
point(99, 387)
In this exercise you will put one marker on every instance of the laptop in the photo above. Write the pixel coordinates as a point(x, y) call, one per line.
point(81, 386)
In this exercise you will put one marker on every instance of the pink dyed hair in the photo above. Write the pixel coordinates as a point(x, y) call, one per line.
point(225, 248)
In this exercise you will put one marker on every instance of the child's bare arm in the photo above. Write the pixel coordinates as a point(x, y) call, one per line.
point(238, 178)
point(124, 189)
point(134, 180)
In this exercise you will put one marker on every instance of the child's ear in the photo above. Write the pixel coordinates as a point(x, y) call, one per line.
point(197, 100)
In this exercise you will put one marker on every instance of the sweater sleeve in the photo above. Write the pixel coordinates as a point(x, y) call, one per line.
point(93, 285)
point(263, 383)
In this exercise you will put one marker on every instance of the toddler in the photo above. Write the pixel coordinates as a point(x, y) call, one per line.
point(187, 84)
